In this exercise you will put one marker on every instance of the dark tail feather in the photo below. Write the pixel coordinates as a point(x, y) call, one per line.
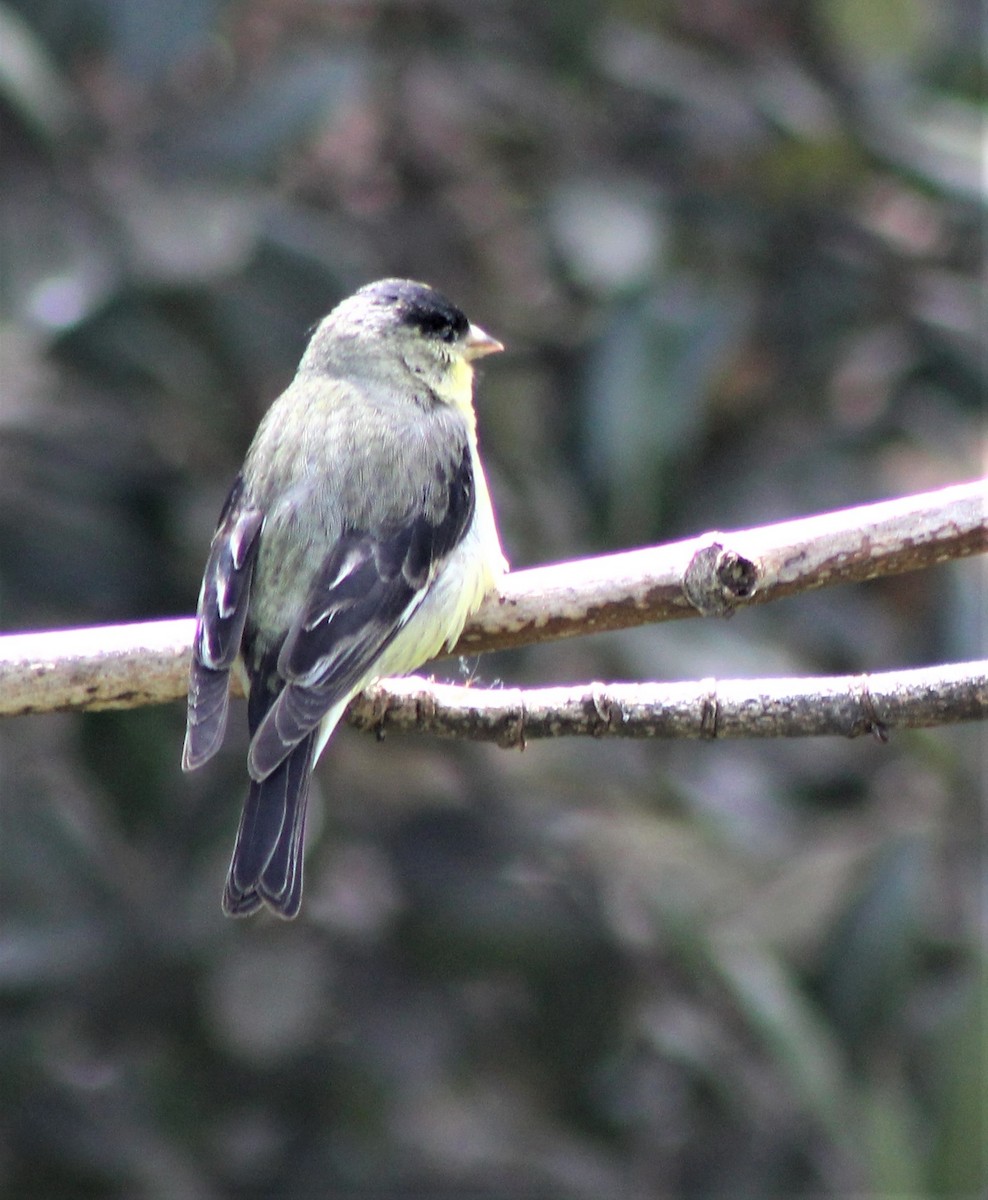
point(267, 857)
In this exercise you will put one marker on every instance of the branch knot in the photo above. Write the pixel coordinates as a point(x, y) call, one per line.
point(716, 578)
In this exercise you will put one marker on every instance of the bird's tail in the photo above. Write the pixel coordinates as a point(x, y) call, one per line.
point(267, 857)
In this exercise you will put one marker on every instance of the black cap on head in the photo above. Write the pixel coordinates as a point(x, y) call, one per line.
point(421, 307)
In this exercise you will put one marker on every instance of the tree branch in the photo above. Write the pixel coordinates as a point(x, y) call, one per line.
point(716, 573)
point(848, 705)
point(124, 666)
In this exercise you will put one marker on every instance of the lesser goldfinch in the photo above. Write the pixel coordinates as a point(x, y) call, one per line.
point(354, 543)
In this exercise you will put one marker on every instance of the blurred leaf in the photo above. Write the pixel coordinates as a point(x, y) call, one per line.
point(60, 257)
point(881, 29)
point(252, 131)
point(805, 1049)
point(149, 39)
point(716, 98)
point(940, 139)
point(30, 80)
point(188, 232)
point(892, 1133)
point(43, 956)
point(69, 549)
point(646, 389)
point(121, 747)
point(959, 1160)
point(610, 239)
point(873, 947)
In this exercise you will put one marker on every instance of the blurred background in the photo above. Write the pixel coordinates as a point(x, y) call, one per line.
point(735, 252)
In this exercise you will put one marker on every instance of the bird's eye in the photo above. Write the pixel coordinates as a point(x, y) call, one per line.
point(448, 334)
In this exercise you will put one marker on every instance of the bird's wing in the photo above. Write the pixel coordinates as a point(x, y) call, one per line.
point(365, 593)
point(220, 625)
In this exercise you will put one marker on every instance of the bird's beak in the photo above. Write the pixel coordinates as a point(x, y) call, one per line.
point(478, 343)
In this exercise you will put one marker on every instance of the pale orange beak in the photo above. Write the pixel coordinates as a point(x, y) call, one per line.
point(478, 343)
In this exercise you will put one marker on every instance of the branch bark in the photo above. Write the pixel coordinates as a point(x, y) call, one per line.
point(125, 666)
point(716, 573)
point(848, 706)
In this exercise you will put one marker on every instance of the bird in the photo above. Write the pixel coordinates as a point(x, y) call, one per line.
point(354, 543)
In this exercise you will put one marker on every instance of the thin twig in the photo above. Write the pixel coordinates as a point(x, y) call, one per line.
point(847, 705)
point(125, 666)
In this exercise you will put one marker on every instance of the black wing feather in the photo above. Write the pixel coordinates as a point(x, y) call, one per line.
point(223, 604)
